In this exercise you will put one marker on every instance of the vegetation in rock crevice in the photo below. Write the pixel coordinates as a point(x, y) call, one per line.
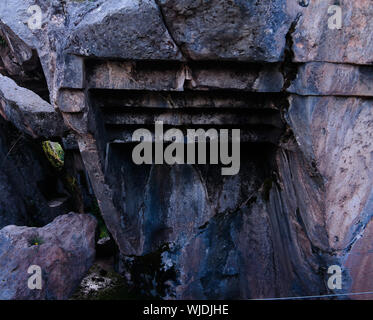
point(36, 241)
point(95, 210)
point(3, 43)
point(54, 153)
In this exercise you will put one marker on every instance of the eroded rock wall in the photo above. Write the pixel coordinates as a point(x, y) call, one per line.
point(298, 90)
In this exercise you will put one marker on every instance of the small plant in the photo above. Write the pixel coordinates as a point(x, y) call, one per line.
point(72, 183)
point(3, 43)
point(36, 241)
point(104, 233)
point(95, 210)
point(54, 153)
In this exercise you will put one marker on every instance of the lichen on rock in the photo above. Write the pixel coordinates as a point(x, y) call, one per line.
point(299, 91)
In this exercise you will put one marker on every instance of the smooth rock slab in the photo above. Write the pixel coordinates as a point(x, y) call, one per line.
point(65, 251)
point(177, 76)
point(336, 134)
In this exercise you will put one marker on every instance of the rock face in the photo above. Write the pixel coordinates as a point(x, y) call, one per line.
point(315, 41)
point(28, 182)
point(28, 112)
point(21, 63)
point(299, 91)
point(229, 30)
point(338, 131)
point(63, 249)
point(126, 22)
point(331, 79)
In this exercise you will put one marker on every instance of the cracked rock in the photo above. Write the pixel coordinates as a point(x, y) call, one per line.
point(28, 112)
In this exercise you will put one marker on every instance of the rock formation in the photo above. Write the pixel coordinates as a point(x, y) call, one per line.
point(299, 92)
point(63, 249)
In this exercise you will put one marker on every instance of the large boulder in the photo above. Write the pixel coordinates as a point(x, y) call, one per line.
point(229, 30)
point(28, 112)
point(123, 29)
point(21, 63)
point(63, 249)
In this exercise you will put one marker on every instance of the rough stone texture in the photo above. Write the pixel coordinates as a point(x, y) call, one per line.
point(229, 30)
point(65, 252)
point(317, 78)
point(336, 134)
point(251, 250)
point(21, 63)
point(248, 238)
point(28, 112)
point(114, 30)
point(177, 77)
point(297, 90)
point(314, 41)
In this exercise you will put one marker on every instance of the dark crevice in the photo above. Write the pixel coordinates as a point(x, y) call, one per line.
point(22, 64)
point(185, 56)
point(289, 69)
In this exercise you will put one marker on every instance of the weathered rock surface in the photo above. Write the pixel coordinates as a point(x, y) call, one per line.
point(336, 133)
point(21, 63)
point(229, 30)
point(319, 79)
point(28, 112)
point(114, 30)
point(359, 263)
point(63, 249)
point(178, 77)
point(298, 91)
point(315, 41)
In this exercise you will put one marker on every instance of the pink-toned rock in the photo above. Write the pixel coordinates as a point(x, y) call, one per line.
point(334, 79)
point(315, 41)
point(359, 264)
point(63, 249)
point(336, 136)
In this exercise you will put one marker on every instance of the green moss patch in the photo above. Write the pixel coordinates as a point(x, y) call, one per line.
point(54, 153)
